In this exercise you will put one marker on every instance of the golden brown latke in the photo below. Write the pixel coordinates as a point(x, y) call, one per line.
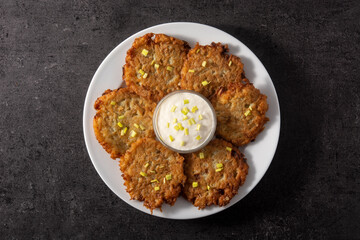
point(128, 108)
point(240, 110)
point(218, 70)
point(161, 66)
point(214, 187)
point(145, 167)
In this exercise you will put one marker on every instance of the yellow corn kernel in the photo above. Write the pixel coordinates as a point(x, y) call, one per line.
point(154, 180)
point(219, 165)
point(186, 131)
point(168, 177)
point(185, 118)
point(171, 138)
point(230, 63)
point(192, 121)
point(218, 170)
point(204, 83)
point(141, 72)
point(119, 124)
point(146, 165)
point(195, 184)
point(113, 103)
point(136, 125)
point(200, 117)
point(201, 155)
point(182, 143)
point(144, 52)
point(186, 101)
point(156, 188)
point(121, 117)
point(194, 109)
point(247, 113)
point(133, 133)
point(142, 127)
point(198, 127)
point(168, 125)
point(185, 110)
point(169, 68)
point(153, 61)
point(143, 174)
point(145, 75)
point(175, 120)
point(197, 51)
point(208, 187)
point(191, 70)
point(173, 108)
point(176, 128)
point(203, 64)
point(198, 137)
point(156, 66)
point(228, 149)
point(123, 131)
point(180, 126)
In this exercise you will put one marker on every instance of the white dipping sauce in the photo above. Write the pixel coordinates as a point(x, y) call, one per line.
point(166, 121)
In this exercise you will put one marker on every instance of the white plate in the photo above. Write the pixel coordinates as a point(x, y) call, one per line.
point(259, 154)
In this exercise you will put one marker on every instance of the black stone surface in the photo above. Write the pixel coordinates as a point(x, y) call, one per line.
point(49, 51)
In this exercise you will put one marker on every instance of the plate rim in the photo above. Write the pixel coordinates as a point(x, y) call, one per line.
point(87, 103)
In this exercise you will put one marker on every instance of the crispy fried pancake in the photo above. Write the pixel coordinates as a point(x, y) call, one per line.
point(210, 65)
point(214, 186)
point(152, 173)
point(240, 110)
point(127, 108)
point(153, 66)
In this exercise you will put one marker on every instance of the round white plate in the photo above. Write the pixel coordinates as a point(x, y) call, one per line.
point(259, 154)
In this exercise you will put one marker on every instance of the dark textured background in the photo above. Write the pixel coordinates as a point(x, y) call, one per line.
point(49, 51)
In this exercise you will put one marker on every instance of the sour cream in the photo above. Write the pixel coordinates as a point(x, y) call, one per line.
point(184, 121)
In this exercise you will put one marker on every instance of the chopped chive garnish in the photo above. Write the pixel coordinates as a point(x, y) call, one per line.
point(186, 131)
point(219, 165)
point(204, 83)
point(141, 72)
point(123, 131)
point(133, 133)
point(144, 52)
point(194, 109)
point(185, 110)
